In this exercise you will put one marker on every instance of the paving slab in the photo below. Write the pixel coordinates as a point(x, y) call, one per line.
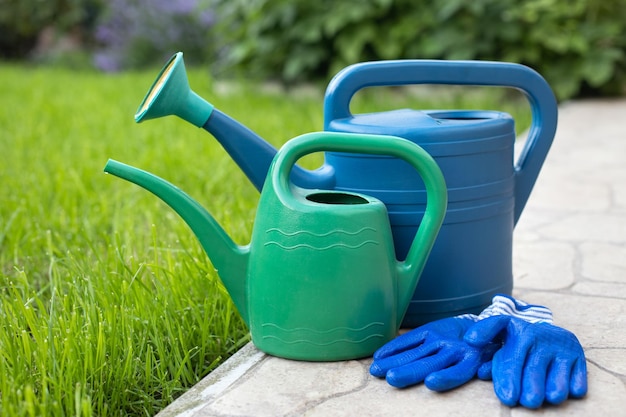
point(569, 254)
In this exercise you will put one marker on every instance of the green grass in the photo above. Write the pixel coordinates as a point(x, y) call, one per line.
point(108, 306)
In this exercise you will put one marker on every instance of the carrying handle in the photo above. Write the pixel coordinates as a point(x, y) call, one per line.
point(543, 104)
point(436, 191)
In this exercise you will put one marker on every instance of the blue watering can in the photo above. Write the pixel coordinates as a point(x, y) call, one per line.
point(487, 190)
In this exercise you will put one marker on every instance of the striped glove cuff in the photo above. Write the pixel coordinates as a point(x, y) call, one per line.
point(508, 306)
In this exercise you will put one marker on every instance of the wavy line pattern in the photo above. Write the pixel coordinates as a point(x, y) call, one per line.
point(306, 245)
point(332, 342)
point(335, 329)
point(307, 232)
point(338, 238)
point(323, 337)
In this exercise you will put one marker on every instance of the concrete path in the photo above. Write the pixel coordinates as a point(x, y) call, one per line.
point(569, 254)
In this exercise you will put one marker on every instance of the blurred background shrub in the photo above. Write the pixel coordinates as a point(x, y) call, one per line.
point(26, 23)
point(579, 45)
point(139, 33)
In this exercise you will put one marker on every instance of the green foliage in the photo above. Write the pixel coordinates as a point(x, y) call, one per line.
point(21, 22)
point(578, 45)
point(108, 304)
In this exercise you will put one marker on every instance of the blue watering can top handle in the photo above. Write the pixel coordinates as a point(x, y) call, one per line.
point(543, 104)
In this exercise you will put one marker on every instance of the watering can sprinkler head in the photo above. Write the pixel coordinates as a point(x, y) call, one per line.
point(170, 94)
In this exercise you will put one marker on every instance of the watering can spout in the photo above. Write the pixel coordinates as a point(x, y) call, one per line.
point(230, 259)
point(171, 95)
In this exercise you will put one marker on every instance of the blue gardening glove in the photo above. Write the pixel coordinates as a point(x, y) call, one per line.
point(538, 361)
point(434, 353)
point(437, 354)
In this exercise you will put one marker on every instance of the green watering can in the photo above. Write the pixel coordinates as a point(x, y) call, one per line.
point(319, 280)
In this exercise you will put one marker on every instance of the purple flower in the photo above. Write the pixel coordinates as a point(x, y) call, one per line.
point(107, 61)
point(179, 6)
point(139, 32)
point(207, 17)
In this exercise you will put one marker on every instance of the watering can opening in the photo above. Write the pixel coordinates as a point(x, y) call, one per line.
point(155, 90)
point(466, 115)
point(336, 198)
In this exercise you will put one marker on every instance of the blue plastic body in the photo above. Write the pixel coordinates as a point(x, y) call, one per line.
point(487, 190)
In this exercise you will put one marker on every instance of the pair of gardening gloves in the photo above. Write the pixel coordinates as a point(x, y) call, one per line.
point(530, 360)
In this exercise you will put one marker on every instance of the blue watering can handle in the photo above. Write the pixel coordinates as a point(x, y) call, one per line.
point(543, 104)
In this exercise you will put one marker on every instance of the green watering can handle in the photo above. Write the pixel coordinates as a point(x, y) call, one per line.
point(436, 191)
point(483, 73)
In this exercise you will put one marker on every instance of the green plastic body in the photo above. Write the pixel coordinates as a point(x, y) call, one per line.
point(319, 280)
point(337, 290)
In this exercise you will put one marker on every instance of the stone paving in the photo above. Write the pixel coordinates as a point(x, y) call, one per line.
point(569, 254)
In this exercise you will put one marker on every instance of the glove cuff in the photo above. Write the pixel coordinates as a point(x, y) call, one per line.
point(504, 305)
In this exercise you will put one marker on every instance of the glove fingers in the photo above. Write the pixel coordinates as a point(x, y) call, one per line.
point(455, 375)
point(416, 372)
point(402, 343)
point(380, 367)
point(484, 372)
point(558, 381)
point(578, 381)
point(534, 380)
point(486, 330)
point(507, 375)
point(510, 361)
